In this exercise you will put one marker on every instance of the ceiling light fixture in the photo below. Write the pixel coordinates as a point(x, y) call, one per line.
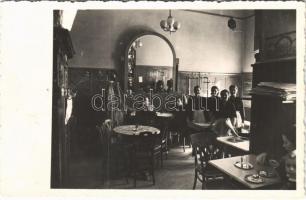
point(170, 25)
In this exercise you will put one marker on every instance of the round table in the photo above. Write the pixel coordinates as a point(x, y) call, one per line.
point(131, 129)
point(202, 125)
point(164, 115)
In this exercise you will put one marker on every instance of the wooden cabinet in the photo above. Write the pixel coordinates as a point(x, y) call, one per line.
point(275, 37)
point(270, 115)
point(277, 70)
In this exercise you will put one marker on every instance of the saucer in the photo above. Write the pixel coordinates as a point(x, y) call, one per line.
point(254, 178)
point(243, 165)
point(267, 174)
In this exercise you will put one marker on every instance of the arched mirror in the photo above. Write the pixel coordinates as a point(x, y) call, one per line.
point(150, 64)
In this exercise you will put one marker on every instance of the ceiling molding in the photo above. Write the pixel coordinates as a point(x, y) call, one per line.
point(219, 15)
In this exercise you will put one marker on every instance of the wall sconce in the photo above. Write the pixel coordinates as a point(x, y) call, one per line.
point(137, 44)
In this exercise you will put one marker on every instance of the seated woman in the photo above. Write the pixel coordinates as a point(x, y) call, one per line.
point(170, 86)
point(225, 122)
point(286, 165)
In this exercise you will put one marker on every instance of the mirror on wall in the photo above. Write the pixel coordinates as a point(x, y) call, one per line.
point(149, 64)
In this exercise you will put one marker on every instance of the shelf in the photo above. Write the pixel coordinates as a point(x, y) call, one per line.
point(246, 97)
point(288, 101)
point(287, 59)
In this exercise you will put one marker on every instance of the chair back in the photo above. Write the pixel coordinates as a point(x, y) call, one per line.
point(204, 149)
point(146, 141)
point(105, 131)
point(146, 118)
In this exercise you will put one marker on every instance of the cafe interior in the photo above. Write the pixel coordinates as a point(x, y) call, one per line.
point(174, 99)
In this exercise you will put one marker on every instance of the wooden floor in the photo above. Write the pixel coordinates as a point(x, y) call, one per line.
point(177, 173)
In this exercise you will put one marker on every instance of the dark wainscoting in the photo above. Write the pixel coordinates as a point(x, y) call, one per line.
point(246, 88)
point(187, 80)
point(89, 80)
point(151, 74)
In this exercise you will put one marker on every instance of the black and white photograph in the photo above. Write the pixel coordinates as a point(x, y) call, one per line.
point(174, 99)
point(152, 100)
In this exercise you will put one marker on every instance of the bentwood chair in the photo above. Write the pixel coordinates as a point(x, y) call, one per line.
point(114, 153)
point(143, 155)
point(205, 150)
point(150, 118)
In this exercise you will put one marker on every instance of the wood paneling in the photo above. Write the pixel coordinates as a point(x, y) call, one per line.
point(151, 74)
point(187, 81)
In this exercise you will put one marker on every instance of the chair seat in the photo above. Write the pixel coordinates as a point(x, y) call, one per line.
point(209, 172)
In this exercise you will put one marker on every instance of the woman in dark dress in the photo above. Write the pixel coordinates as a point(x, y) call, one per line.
point(224, 124)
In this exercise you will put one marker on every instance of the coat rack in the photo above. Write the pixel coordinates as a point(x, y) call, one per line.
point(199, 79)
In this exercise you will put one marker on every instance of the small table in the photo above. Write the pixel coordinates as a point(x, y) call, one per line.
point(226, 165)
point(131, 130)
point(243, 145)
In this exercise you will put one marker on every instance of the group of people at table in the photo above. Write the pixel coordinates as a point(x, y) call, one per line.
point(224, 115)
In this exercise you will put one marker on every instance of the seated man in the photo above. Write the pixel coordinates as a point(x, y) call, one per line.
point(145, 115)
point(224, 124)
point(160, 87)
point(213, 103)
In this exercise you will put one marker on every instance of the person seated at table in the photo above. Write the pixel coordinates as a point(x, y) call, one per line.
point(170, 86)
point(286, 165)
point(145, 115)
point(195, 111)
point(148, 88)
point(160, 87)
point(224, 125)
point(237, 101)
point(213, 104)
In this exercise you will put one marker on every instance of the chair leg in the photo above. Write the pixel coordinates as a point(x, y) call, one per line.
point(161, 157)
point(195, 180)
point(152, 170)
point(103, 172)
point(204, 181)
point(166, 153)
point(134, 168)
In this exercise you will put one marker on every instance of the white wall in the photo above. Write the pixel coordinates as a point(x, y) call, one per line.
point(204, 43)
point(248, 47)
